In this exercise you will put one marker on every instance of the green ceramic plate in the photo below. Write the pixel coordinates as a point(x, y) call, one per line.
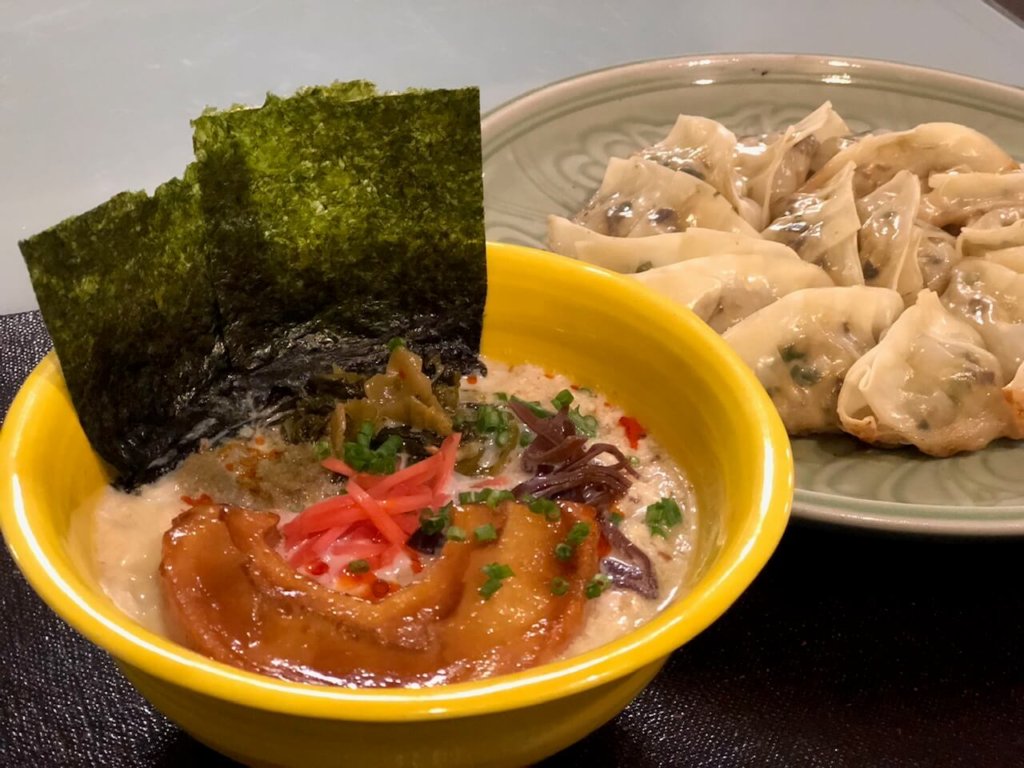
point(546, 152)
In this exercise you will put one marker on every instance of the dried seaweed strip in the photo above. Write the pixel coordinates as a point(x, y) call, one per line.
point(309, 232)
point(338, 222)
point(126, 297)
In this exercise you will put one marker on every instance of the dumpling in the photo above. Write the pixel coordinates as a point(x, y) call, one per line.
point(636, 254)
point(888, 239)
point(700, 292)
point(929, 148)
point(639, 197)
point(1013, 394)
point(936, 256)
point(990, 297)
point(929, 383)
point(801, 347)
point(995, 232)
point(1011, 258)
point(705, 148)
point(832, 147)
point(959, 199)
point(822, 228)
point(724, 289)
point(785, 164)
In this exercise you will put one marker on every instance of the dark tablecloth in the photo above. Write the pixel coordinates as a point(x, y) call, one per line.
point(850, 649)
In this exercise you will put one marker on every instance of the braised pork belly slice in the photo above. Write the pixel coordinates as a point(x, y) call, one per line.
point(232, 597)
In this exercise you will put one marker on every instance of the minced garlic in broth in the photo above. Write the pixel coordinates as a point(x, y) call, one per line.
point(128, 528)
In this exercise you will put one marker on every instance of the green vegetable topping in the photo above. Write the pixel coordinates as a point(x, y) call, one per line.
point(596, 586)
point(322, 449)
point(496, 573)
point(545, 507)
point(559, 586)
point(358, 566)
point(634, 461)
point(395, 342)
point(486, 532)
point(377, 461)
point(616, 518)
point(454, 533)
point(563, 551)
point(526, 437)
point(663, 515)
point(577, 534)
point(534, 407)
point(432, 522)
point(585, 425)
point(562, 400)
point(492, 497)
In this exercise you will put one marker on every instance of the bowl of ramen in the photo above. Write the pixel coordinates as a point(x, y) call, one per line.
point(852, 228)
point(424, 604)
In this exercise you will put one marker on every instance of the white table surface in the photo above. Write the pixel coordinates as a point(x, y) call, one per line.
point(96, 95)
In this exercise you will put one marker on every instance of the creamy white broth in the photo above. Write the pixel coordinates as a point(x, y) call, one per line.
point(127, 528)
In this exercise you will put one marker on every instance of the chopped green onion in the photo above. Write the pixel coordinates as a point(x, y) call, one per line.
point(492, 497)
point(663, 515)
point(501, 397)
point(434, 522)
point(559, 586)
point(562, 400)
point(395, 342)
point(545, 507)
point(616, 518)
point(496, 573)
point(596, 586)
point(634, 461)
point(585, 425)
point(577, 534)
point(563, 551)
point(377, 461)
point(358, 566)
point(486, 532)
point(534, 407)
point(321, 449)
point(526, 437)
point(489, 419)
point(454, 533)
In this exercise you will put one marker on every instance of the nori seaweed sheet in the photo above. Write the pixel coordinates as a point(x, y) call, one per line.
point(339, 221)
point(309, 232)
point(126, 296)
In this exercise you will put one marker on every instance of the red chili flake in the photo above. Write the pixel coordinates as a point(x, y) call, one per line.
point(574, 387)
point(549, 375)
point(203, 499)
point(230, 467)
point(319, 568)
point(471, 378)
point(634, 431)
point(259, 440)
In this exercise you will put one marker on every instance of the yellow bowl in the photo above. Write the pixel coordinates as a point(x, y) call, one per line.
point(657, 361)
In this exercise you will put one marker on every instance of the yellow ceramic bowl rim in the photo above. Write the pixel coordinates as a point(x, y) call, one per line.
point(677, 624)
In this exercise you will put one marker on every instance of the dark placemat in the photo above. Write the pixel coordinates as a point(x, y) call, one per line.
point(850, 649)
